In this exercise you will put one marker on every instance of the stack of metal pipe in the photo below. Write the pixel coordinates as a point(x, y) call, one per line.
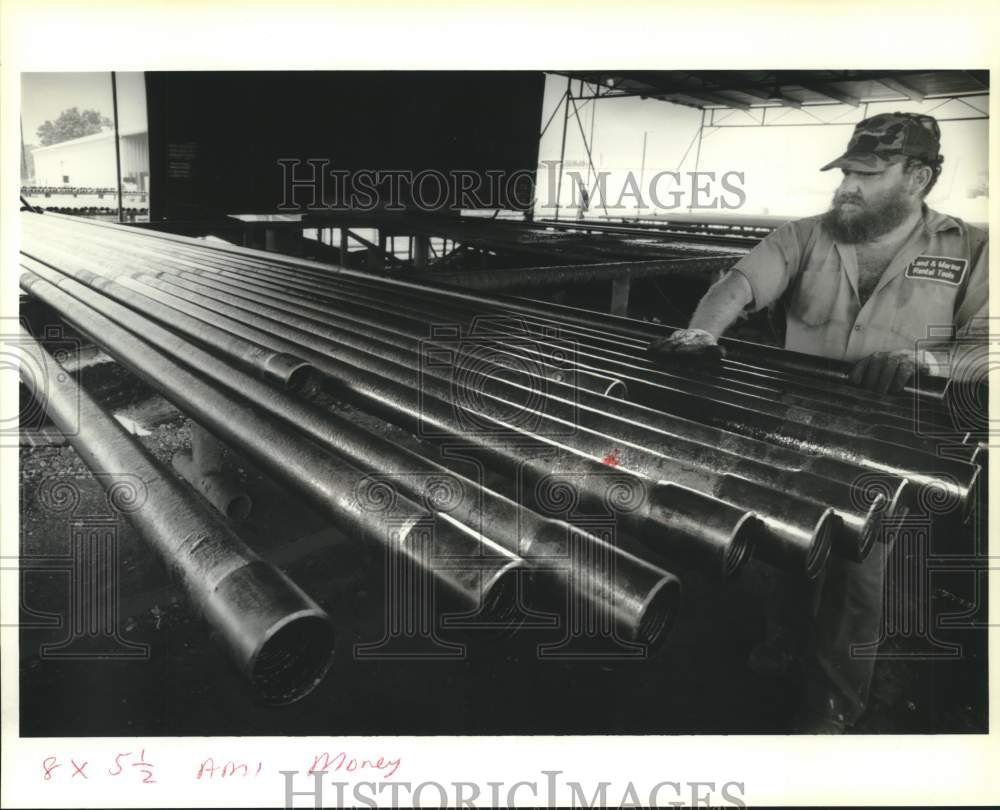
point(694, 468)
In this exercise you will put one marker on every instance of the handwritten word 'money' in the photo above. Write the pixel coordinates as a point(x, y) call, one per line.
point(341, 761)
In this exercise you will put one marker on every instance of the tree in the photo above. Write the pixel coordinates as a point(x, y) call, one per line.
point(72, 124)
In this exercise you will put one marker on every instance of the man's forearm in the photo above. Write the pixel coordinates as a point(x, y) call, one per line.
point(722, 304)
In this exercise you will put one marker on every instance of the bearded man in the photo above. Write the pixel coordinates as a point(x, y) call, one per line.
point(863, 282)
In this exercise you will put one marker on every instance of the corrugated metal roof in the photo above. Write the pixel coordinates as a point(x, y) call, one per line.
point(97, 136)
point(743, 89)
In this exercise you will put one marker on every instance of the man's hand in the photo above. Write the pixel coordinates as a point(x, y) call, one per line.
point(687, 344)
point(886, 372)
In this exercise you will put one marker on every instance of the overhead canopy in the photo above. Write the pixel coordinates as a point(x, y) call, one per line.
point(743, 89)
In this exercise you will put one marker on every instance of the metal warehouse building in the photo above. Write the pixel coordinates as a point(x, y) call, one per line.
point(89, 162)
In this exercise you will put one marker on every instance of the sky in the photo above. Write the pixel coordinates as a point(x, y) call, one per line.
point(780, 163)
point(45, 95)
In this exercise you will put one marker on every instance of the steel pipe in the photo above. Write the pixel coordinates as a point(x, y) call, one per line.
point(640, 598)
point(278, 637)
point(932, 388)
point(473, 570)
point(686, 523)
point(357, 290)
point(105, 256)
point(848, 427)
point(948, 476)
point(797, 531)
point(202, 467)
point(670, 454)
point(861, 511)
point(588, 358)
point(287, 370)
point(698, 267)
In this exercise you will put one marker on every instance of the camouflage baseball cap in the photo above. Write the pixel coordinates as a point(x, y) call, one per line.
point(889, 138)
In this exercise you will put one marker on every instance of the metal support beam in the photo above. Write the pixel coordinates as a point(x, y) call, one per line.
point(118, 153)
point(902, 88)
point(380, 249)
point(525, 277)
point(562, 148)
point(832, 92)
point(344, 246)
point(621, 288)
point(421, 251)
point(715, 98)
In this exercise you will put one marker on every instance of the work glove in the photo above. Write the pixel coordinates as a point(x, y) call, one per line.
point(886, 372)
point(687, 345)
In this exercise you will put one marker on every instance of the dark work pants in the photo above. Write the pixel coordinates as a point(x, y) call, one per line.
point(838, 618)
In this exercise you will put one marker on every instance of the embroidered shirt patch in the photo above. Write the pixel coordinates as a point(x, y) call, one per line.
point(938, 268)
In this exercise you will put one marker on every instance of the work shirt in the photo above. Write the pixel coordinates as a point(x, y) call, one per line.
point(935, 288)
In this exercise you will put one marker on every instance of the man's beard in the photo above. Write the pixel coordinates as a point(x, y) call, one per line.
point(868, 221)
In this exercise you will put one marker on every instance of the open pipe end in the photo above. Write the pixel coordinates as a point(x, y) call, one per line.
point(745, 535)
point(796, 532)
point(292, 372)
point(499, 603)
point(303, 380)
point(823, 536)
point(221, 489)
point(239, 508)
point(603, 580)
point(616, 389)
point(658, 612)
point(972, 494)
point(294, 658)
point(279, 637)
point(869, 527)
point(701, 529)
point(896, 497)
point(476, 574)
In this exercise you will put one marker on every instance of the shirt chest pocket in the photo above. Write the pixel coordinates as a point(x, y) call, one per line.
point(921, 305)
point(812, 298)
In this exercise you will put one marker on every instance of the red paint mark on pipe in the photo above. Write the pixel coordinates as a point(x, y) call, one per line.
point(612, 459)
